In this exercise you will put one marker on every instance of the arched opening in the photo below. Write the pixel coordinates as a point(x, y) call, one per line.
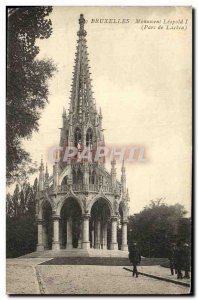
point(74, 175)
point(101, 180)
point(77, 177)
point(89, 138)
point(77, 137)
point(90, 176)
point(100, 225)
point(120, 212)
point(64, 181)
point(47, 225)
point(93, 177)
point(70, 224)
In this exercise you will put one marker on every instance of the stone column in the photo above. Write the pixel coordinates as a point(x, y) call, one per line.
point(124, 246)
point(104, 236)
point(40, 245)
point(114, 243)
point(69, 234)
point(97, 241)
point(61, 233)
point(92, 236)
point(85, 235)
point(101, 235)
point(56, 243)
point(45, 237)
point(80, 238)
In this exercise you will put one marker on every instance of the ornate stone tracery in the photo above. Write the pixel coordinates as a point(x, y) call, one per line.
point(85, 199)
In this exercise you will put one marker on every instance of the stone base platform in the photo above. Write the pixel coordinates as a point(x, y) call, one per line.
point(76, 253)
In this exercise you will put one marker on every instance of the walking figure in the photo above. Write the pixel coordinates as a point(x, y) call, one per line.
point(178, 260)
point(135, 258)
point(186, 260)
point(171, 257)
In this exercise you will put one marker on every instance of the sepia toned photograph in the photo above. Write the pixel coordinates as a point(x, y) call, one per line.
point(99, 150)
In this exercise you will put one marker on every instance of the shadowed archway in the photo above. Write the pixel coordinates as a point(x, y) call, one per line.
point(47, 225)
point(70, 224)
point(100, 226)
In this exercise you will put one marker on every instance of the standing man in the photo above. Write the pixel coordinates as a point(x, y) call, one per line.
point(186, 260)
point(178, 259)
point(135, 258)
point(171, 257)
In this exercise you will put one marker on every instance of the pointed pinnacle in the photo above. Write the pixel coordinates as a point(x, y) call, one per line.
point(81, 32)
point(113, 162)
point(64, 112)
point(41, 165)
point(100, 113)
point(123, 168)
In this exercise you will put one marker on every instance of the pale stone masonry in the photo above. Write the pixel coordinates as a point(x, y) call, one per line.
point(81, 205)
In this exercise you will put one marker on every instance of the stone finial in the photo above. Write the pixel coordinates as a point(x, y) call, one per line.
point(123, 167)
point(113, 172)
point(100, 114)
point(123, 178)
point(41, 175)
point(41, 165)
point(82, 32)
point(113, 163)
point(64, 112)
point(46, 173)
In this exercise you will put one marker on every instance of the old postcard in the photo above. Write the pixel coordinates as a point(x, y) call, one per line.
point(99, 150)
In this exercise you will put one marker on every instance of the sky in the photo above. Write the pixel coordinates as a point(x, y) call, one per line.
point(141, 81)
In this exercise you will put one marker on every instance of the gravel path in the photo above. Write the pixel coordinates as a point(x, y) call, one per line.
point(21, 277)
point(102, 280)
point(25, 276)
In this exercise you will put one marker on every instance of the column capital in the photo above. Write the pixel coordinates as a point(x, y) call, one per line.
point(123, 222)
point(55, 217)
point(114, 218)
point(40, 221)
point(44, 222)
point(86, 216)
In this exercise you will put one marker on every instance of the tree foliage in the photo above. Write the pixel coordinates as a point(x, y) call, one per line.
point(27, 80)
point(21, 230)
point(158, 225)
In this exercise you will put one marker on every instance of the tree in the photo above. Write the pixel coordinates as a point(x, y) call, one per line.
point(21, 229)
point(156, 226)
point(27, 82)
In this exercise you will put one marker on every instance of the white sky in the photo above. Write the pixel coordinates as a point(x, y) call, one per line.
point(142, 81)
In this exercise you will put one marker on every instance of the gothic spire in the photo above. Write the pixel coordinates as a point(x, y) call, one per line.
point(64, 115)
point(41, 165)
point(46, 173)
point(123, 178)
point(82, 102)
point(82, 32)
point(113, 172)
point(123, 168)
point(41, 175)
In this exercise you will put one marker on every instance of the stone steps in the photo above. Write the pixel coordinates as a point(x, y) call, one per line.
point(102, 261)
point(91, 257)
point(77, 253)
